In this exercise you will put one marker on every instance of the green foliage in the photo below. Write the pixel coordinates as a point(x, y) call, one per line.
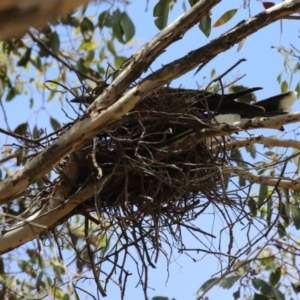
point(122, 26)
point(290, 69)
point(266, 289)
point(263, 194)
point(251, 149)
point(161, 12)
point(246, 98)
point(54, 124)
point(284, 87)
point(25, 58)
point(228, 282)
point(295, 214)
point(127, 28)
point(87, 29)
point(193, 2)
point(207, 284)
point(228, 15)
point(205, 25)
point(21, 129)
point(236, 156)
point(54, 42)
point(275, 276)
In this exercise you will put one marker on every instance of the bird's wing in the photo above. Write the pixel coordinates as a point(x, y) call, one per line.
point(214, 102)
point(225, 104)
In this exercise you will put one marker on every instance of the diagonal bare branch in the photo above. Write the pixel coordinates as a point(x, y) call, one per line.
point(259, 139)
point(47, 217)
point(265, 180)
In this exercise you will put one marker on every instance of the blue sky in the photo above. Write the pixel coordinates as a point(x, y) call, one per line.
point(261, 68)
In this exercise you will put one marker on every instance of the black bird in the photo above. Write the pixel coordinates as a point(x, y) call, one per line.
point(226, 104)
point(281, 103)
point(218, 103)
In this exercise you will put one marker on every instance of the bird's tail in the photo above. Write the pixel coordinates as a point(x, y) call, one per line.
point(278, 103)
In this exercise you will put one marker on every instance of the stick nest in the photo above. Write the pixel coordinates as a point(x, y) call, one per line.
point(149, 180)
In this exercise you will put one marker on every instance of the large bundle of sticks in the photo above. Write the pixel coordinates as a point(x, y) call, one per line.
point(147, 180)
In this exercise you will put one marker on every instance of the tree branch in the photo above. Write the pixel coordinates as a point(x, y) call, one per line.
point(293, 184)
point(46, 218)
point(16, 16)
point(262, 140)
